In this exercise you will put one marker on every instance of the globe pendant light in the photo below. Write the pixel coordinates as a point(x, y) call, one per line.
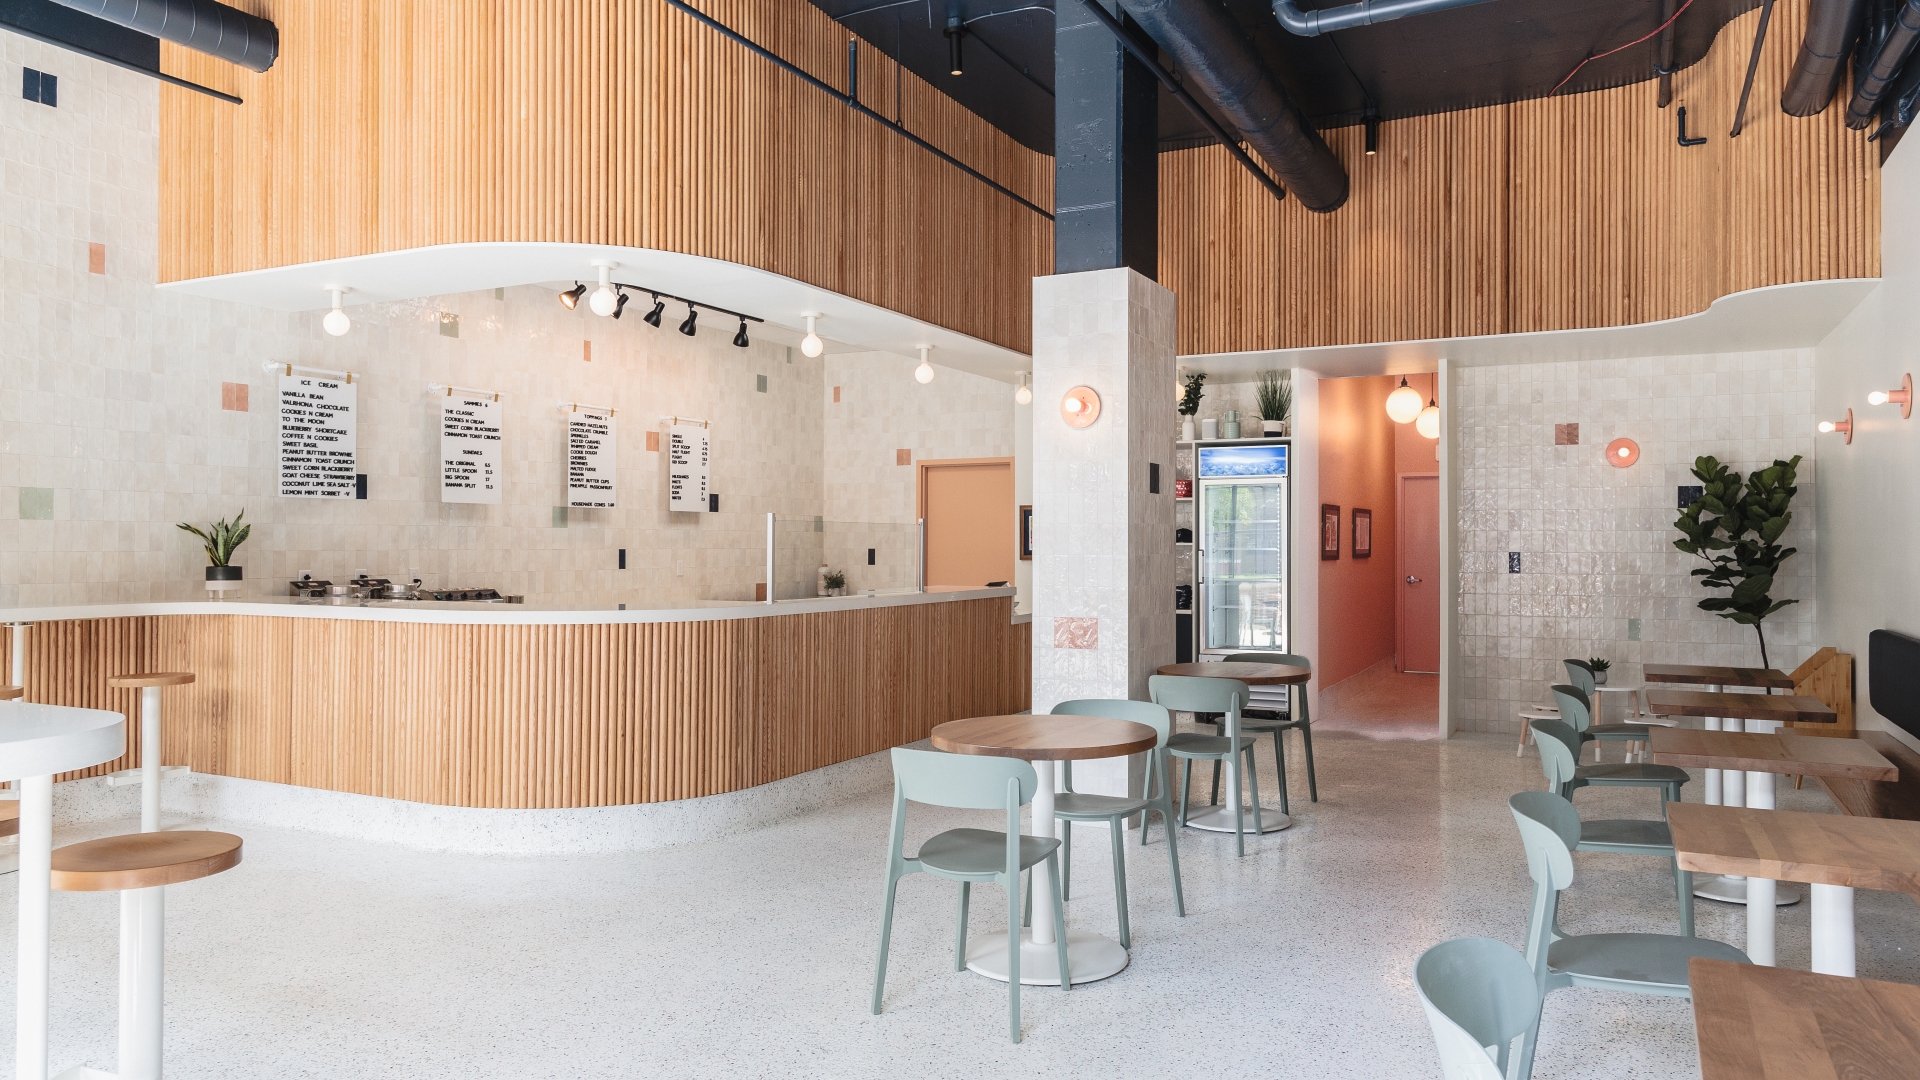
point(811, 345)
point(1403, 405)
point(924, 373)
point(1428, 422)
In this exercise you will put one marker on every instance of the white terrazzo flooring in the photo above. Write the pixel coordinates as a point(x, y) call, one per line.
point(752, 956)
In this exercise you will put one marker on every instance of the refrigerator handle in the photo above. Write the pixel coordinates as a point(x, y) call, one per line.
point(1199, 565)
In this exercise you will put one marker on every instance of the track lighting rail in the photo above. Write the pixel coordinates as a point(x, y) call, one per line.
point(658, 295)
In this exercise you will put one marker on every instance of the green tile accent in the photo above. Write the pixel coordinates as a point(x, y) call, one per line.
point(760, 383)
point(36, 504)
point(449, 324)
point(1633, 629)
point(559, 517)
point(499, 294)
point(819, 523)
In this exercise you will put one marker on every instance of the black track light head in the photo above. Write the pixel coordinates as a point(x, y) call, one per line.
point(620, 301)
point(652, 318)
point(740, 339)
point(955, 31)
point(687, 327)
point(1372, 120)
point(571, 297)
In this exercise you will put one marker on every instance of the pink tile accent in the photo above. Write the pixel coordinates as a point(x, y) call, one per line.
point(233, 396)
point(1076, 633)
point(1566, 434)
point(96, 258)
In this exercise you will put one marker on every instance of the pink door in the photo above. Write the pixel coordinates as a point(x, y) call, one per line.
point(1419, 586)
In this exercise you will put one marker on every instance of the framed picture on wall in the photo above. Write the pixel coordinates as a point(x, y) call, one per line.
point(1329, 531)
point(1026, 532)
point(1362, 533)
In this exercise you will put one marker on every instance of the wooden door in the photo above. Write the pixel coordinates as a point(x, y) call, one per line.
point(1419, 583)
point(970, 514)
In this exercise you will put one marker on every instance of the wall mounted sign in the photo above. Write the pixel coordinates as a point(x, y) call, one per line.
point(318, 436)
point(1362, 534)
point(470, 458)
point(590, 459)
point(687, 457)
point(1329, 531)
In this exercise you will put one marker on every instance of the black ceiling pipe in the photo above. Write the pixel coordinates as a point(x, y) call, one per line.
point(1885, 66)
point(1832, 26)
point(200, 25)
point(1215, 55)
point(1364, 13)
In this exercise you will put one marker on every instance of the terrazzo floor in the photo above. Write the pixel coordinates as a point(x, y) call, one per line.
point(751, 956)
point(1403, 705)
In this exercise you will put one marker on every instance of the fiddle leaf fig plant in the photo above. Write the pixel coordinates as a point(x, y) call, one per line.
point(1735, 528)
point(1190, 401)
point(221, 538)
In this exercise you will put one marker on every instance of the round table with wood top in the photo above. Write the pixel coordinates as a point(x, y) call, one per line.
point(1044, 740)
point(1220, 818)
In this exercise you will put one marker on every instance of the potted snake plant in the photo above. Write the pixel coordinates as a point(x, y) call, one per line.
point(221, 539)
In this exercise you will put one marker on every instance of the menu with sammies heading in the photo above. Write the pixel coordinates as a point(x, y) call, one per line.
point(318, 433)
point(589, 460)
point(470, 457)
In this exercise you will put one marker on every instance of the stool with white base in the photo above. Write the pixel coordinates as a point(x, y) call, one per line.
point(148, 774)
point(139, 866)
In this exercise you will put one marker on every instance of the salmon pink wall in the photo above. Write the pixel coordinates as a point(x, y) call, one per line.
point(1359, 460)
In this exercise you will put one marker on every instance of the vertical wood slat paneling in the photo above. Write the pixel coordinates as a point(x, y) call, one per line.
point(1551, 214)
point(388, 125)
point(540, 716)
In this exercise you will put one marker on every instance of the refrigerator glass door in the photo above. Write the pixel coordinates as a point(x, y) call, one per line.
point(1244, 538)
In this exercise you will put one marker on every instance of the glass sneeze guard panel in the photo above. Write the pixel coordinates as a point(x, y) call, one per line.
point(881, 557)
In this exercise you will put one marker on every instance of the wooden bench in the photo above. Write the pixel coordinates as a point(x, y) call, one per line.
point(1873, 798)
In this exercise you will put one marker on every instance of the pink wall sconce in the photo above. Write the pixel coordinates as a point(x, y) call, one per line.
point(1844, 427)
point(1080, 407)
point(1622, 453)
point(1902, 397)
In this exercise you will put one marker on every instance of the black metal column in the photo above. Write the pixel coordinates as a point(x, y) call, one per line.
point(1106, 137)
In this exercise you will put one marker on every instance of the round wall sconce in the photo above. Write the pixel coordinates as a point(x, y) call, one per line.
point(1844, 427)
point(1902, 397)
point(1080, 407)
point(1622, 453)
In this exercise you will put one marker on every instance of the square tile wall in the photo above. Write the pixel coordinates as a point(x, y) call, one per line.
point(1596, 541)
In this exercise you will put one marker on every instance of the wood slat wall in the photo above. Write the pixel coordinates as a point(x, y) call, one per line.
point(1553, 214)
point(394, 124)
point(540, 716)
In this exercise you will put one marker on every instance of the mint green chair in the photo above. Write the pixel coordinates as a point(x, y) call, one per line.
point(1635, 963)
point(1226, 697)
point(1071, 806)
point(1576, 709)
point(1478, 993)
point(1620, 836)
point(1667, 778)
point(970, 855)
point(1259, 720)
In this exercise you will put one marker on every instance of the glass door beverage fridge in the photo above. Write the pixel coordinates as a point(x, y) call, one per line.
point(1242, 516)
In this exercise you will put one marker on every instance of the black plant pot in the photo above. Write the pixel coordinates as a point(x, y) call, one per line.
point(223, 573)
point(221, 580)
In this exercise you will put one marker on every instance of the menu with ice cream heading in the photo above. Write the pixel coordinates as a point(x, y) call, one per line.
point(317, 437)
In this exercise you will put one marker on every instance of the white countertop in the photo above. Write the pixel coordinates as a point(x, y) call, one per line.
point(487, 614)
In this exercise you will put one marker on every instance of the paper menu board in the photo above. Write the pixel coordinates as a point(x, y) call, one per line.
point(318, 436)
point(470, 450)
point(590, 460)
point(687, 468)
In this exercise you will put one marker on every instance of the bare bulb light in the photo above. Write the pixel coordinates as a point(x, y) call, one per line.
point(1844, 427)
point(811, 345)
point(603, 301)
point(1404, 404)
point(1023, 395)
point(1879, 397)
point(924, 373)
point(336, 322)
point(1428, 422)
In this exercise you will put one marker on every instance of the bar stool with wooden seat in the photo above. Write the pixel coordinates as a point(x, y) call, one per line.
point(11, 693)
point(139, 866)
point(149, 684)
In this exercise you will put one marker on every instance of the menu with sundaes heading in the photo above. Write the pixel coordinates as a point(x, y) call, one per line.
point(470, 469)
point(318, 433)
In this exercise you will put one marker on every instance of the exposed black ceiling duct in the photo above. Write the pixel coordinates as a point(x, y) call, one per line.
point(1213, 53)
point(1364, 13)
point(1885, 66)
point(1832, 26)
point(201, 25)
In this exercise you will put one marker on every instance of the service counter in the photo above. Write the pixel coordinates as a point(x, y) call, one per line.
point(519, 706)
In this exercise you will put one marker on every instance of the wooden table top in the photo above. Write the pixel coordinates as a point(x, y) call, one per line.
point(1044, 738)
point(1785, 845)
point(144, 679)
point(1804, 710)
point(8, 693)
point(1772, 1023)
point(1809, 755)
point(1708, 675)
point(1251, 674)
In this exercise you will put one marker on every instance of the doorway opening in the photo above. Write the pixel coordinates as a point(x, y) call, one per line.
point(972, 521)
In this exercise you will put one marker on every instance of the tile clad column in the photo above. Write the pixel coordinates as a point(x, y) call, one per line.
point(1103, 563)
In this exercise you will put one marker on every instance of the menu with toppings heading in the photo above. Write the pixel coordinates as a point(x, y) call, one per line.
point(318, 433)
point(687, 468)
point(589, 460)
point(470, 464)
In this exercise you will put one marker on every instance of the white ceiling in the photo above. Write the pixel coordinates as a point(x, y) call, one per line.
point(1794, 316)
point(847, 325)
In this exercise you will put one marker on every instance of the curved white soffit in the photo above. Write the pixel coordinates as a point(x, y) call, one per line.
point(449, 269)
point(1795, 316)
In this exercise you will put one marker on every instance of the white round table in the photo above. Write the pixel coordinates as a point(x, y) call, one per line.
point(36, 742)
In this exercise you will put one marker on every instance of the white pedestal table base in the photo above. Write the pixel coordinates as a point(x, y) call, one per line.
point(1090, 957)
point(1220, 819)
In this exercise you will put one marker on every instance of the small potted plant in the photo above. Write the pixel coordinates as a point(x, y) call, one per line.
point(1275, 397)
point(1190, 404)
point(836, 583)
point(221, 539)
point(1599, 666)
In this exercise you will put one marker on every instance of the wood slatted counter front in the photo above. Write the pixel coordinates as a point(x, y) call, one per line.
point(505, 706)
